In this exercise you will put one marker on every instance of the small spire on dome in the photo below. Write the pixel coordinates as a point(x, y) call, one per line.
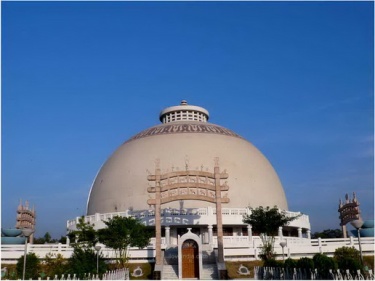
point(184, 102)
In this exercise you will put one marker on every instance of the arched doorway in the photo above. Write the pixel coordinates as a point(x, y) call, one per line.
point(190, 259)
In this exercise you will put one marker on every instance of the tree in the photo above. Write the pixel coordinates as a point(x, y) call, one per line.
point(62, 240)
point(47, 237)
point(84, 258)
point(85, 236)
point(328, 233)
point(32, 266)
point(39, 240)
point(267, 221)
point(122, 233)
point(55, 265)
point(83, 261)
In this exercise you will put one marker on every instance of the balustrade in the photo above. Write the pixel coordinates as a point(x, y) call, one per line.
point(233, 245)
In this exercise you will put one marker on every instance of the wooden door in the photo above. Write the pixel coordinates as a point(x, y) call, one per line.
point(190, 259)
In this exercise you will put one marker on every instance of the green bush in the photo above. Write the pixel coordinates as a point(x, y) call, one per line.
point(348, 258)
point(346, 252)
point(83, 261)
point(55, 265)
point(323, 264)
point(290, 263)
point(350, 263)
point(32, 266)
point(305, 263)
point(272, 263)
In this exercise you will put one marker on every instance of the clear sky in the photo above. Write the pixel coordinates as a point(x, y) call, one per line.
point(80, 78)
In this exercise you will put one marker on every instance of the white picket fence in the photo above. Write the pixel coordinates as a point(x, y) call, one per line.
point(279, 273)
point(118, 274)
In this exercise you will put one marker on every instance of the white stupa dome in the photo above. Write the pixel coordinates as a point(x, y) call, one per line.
point(185, 140)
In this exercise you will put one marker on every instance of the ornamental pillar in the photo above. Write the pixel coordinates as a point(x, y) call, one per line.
point(210, 235)
point(280, 233)
point(308, 232)
point(250, 233)
point(167, 235)
point(300, 232)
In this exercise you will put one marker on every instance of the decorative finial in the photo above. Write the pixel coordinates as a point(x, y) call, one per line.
point(354, 198)
point(216, 159)
point(184, 102)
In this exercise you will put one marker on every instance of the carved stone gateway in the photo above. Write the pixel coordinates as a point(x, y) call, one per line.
point(349, 211)
point(188, 185)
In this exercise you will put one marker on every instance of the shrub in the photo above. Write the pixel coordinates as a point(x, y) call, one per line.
point(348, 258)
point(305, 263)
point(346, 252)
point(83, 261)
point(323, 264)
point(290, 263)
point(32, 266)
point(55, 265)
point(272, 263)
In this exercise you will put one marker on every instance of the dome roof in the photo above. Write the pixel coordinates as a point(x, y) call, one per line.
point(185, 140)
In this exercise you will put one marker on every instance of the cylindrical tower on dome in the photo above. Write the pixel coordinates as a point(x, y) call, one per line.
point(184, 112)
point(184, 140)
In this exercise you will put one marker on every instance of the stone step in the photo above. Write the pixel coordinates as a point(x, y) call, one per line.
point(170, 272)
point(209, 272)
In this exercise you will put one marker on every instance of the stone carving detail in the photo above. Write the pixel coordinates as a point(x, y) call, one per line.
point(137, 272)
point(243, 270)
point(184, 128)
point(203, 192)
point(173, 192)
point(202, 180)
point(193, 191)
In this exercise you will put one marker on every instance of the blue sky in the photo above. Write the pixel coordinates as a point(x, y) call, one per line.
point(80, 78)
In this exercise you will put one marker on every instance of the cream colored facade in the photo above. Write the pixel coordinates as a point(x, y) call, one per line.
point(185, 144)
point(186, 141)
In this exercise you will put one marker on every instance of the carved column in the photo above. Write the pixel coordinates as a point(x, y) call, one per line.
point(157, 217)
point(210, 235)
point(250, 233)
point(308, 232)
point(344, 231)
point(219, 223)
point(300, 232)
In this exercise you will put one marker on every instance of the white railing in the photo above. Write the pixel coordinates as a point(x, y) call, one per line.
point(191, 215)
point(235, 247)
